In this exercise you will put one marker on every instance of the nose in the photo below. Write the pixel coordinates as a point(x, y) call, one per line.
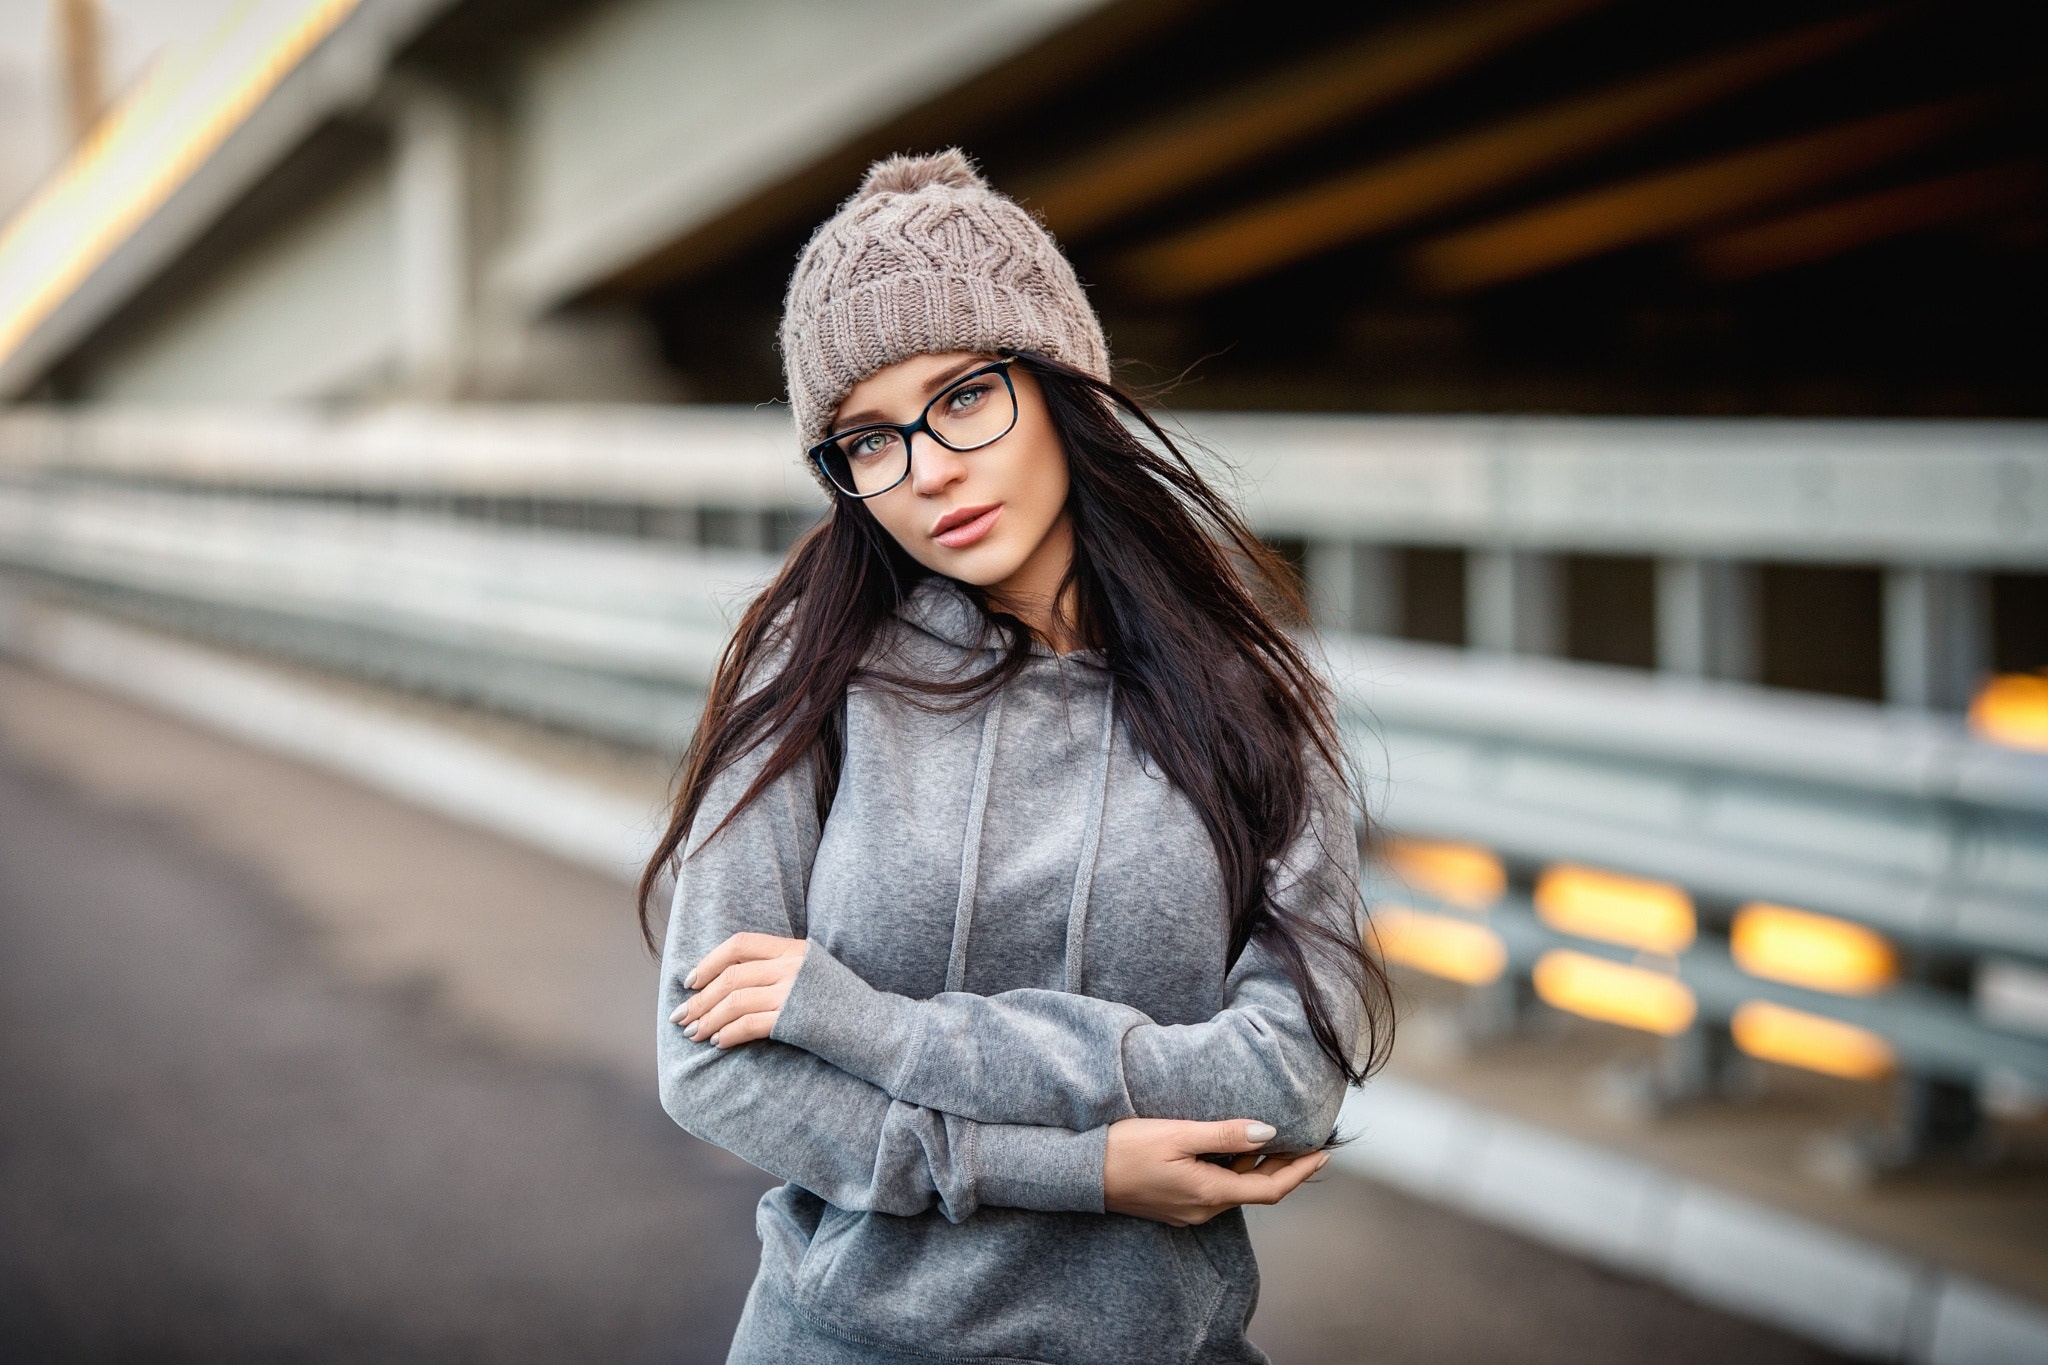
point(933, 468)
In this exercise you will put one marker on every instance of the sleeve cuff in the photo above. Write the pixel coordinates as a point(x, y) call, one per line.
point(1048, 1170)
point(834, 1015)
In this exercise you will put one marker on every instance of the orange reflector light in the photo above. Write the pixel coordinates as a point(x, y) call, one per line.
point(1614, 993)
point(1442, 945)
point(1634, 911)
point(1464, 875)
point(1796, 1038)
point(1817, 951)
point(2013, 710)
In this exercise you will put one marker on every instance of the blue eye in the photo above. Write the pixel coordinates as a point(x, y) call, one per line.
point(969, 397)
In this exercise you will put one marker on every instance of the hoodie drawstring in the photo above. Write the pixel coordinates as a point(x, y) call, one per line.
point(1084, 871)
point(1091, 845)
point(970, 856)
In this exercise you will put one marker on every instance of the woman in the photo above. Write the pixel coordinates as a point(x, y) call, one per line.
point(1015, 881)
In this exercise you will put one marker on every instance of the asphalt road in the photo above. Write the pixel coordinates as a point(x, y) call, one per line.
point(263, 1099)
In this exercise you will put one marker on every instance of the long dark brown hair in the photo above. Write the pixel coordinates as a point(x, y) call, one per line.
point(1186, 606)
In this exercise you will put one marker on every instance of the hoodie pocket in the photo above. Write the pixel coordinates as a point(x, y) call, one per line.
point(1012, 1285)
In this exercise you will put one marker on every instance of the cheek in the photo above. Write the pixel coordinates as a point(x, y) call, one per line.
point(1039, 483)
point(897, 518)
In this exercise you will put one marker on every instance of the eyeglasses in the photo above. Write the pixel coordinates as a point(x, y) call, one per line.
point(978, 409)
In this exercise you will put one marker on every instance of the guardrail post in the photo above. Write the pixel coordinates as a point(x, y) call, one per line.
point(1512, 602)
point(1497, 1009)
point(1699, 1064)
point(1937, 632)
point(1931, 1120)
point(1354, 587)
point(1706, 618)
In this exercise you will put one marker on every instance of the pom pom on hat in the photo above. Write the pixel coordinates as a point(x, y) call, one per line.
point(925, 258)
point(903, 174)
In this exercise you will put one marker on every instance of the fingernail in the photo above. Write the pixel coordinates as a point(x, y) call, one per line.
point(691, 1031)
point(690, 981)
point(676, 1015)
point(1260, 1132)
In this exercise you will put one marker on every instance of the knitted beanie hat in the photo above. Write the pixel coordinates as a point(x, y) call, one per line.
point(925, 258)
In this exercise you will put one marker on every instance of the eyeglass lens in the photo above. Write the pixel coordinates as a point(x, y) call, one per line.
point(973, 413)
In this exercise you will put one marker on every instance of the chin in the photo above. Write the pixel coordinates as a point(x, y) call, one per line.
point(976, 569)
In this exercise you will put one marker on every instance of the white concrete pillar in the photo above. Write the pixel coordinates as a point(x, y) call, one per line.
point(1354, 587)
point(435, 235)
point(1937, 636)
point(1513, 602)
point(1706, 618)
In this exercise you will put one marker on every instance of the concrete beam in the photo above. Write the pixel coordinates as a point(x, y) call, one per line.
point(1184, 146)
point(1387, 195)
point(341, 73)
point(1665, 203)
point(1820, 232)
point(648, 121)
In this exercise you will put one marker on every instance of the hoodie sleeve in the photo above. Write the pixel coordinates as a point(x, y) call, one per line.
point(793, 1113)
point(1043, 1056)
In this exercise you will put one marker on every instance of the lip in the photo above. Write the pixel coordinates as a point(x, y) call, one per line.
point(961, 528)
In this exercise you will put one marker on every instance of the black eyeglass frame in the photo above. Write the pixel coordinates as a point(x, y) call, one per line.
point(906, 430)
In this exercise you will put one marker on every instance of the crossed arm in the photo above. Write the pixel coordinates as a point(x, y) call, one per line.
point(876, 1101)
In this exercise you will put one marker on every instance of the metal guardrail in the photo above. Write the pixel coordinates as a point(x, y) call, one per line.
point(1962, 493)
point(1895, 820)
point(1937, 507)
point(611, 636)
point(331, 541)
point(613, 453)
point(1933, 1032)
point(1938, 492)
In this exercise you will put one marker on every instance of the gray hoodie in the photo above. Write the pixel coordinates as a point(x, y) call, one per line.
point(1017, 937)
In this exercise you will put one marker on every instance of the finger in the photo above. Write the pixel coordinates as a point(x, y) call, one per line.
point(752, 1000)
point(1277, 1179)
point(1248, 1162)
point(1231, 1135)
point(748, 1028)
point(712, 963)
point(762, 972)
point(1224, 1188)
point(748, 1000)
point(741, 947)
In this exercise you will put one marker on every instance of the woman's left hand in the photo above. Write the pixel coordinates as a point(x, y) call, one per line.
point(741, 985)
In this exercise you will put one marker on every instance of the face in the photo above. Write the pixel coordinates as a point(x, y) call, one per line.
point(993, 517)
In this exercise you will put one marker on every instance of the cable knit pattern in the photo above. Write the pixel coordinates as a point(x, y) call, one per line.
point(925, 257)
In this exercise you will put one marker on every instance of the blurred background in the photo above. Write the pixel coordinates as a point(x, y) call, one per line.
point(1653, 397)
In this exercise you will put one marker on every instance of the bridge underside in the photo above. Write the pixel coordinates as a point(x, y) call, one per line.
point(1562, 206)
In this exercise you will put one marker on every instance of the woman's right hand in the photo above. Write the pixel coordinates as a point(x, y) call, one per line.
point(1153, 1168)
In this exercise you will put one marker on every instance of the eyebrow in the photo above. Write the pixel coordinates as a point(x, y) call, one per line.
point(932, 388)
